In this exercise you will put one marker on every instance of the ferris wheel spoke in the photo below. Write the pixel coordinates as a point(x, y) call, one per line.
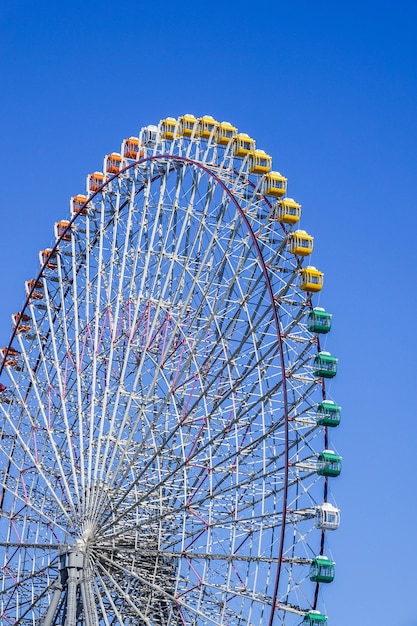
point(104, 588)
point(114, 315)
point(55, 352)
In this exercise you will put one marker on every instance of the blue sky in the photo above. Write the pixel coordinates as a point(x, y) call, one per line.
point(330, 90)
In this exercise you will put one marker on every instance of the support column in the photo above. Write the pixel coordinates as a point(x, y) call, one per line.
point(74, 565)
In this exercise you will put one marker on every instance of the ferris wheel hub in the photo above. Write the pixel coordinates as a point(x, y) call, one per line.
point(88, 534)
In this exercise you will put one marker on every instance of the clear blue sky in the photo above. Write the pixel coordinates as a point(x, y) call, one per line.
point(330, 90)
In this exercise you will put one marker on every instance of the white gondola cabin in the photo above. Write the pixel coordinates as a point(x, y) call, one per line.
point(113, 163)
point(168, 126)
point(327, 517)
point(225, 133)
point(311, 279)
point(259, 162)
point(301, 243)
point(149, 135)
point(95, 181)
point(275, 185)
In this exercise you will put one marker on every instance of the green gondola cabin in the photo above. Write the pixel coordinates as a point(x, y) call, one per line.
point(328, 414)
point(329, 464)
point(325, 365)
point(322, 570)
point(314, 618)
point(319, 321)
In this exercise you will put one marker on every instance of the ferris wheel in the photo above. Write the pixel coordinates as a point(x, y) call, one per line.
point(164, 448)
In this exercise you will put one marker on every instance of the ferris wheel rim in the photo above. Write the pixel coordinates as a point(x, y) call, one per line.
point(274, 306)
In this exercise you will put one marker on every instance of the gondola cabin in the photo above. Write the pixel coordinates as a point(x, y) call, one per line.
point(34, 289)
point(21, 323)
point(4, 397)
point(63, 230)
point(327, 517)
point(328, 413)
point(314, 618)
point(301, 243)
point(186, 125)
point(10, 357)
point(275, 185)
point(207, 127)
point(47, 258)
point(149, 135)
point(322, 570)
point(319, 321)
point(287, 211)
point(259, 162)
point(225, 133)
point(311, 279)
point(243, 145)
point(78, 205)
point(329, 463)
point(95, 181)
point(132, 149)
point(113, 163)
point(168, 126)
point(325, 365)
